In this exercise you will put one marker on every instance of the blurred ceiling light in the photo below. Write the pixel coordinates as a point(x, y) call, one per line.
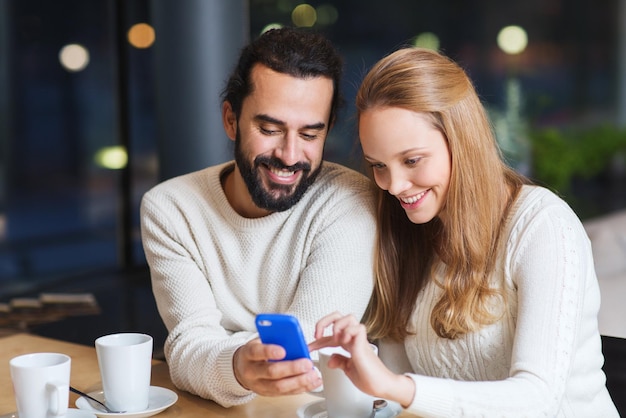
point(304, 15)
point(512, 39)
point(113, 158)
point(271, 26)
point(141, 35)
point(427, 40)
point(74, 57)
point(327, 14)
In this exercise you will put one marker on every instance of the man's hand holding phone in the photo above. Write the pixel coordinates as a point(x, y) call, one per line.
point(278, 363)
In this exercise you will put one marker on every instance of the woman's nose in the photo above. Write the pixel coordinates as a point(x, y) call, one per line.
point(398, 183)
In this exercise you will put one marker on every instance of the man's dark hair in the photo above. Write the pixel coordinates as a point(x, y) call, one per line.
point(296, 52)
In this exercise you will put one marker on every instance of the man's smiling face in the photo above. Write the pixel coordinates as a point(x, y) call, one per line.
point(279, 136)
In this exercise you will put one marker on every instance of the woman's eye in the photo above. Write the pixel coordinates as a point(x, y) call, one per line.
point(377, 166)
point(412, 161)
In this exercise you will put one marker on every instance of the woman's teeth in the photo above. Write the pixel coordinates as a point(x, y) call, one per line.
point(413, 199)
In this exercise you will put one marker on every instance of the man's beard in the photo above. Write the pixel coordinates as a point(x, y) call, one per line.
point(280, 197)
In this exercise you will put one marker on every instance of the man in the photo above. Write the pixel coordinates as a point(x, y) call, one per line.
point(276, 230)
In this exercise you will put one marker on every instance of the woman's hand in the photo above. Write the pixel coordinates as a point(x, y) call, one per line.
point(364, 368)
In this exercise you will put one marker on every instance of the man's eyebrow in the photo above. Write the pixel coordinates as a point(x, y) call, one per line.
point(267, 118)
point(316, 126)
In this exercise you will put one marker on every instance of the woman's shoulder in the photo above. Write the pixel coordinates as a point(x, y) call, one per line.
point(535, 200)
point(537, 207)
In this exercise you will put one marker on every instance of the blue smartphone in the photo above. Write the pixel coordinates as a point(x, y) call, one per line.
point(283, 330)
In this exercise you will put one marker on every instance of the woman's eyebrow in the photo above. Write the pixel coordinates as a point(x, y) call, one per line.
point(399, 154)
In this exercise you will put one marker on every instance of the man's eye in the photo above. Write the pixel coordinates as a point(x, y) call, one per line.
point(309, 137)
point(268, 131)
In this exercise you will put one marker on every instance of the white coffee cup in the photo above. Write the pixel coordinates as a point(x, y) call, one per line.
point(125, 362)
point(41, 384)
point(343, 399)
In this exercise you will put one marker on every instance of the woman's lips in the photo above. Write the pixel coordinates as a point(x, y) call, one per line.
point(411, 202)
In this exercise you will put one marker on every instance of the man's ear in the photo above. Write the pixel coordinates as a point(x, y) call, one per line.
point(229, 119)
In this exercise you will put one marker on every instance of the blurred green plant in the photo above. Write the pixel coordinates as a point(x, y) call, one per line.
point(560, 155)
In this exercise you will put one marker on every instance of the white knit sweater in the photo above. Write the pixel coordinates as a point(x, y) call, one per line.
point(543, 358)
point(213, 270)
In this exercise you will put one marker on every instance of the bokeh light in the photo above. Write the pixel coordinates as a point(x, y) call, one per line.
point(74, 57)
point(141, 35)
point(112, 158)
point(427, 40)
point(512, 39)
point(304, 15)
point(271, 26)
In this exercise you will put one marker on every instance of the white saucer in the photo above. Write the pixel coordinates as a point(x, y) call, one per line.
point(71, 413)
point(317, 409)
point(77, 413)
point(159, 400)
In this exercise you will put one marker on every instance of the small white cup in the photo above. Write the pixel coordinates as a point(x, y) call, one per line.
point(343, 399)
point(41, 384)
point(125, 362)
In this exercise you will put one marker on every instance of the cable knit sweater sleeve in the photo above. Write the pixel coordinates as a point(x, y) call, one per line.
point(555, 359)
point(213, 271)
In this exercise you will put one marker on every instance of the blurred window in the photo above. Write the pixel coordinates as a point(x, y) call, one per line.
point(77, 105)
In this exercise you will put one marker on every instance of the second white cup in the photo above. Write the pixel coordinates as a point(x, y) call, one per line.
point(343, 399)
point(125, 362)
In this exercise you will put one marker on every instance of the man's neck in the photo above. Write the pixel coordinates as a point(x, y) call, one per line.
point(237, 195)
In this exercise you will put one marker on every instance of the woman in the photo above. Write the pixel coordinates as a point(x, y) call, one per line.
point(486, 298)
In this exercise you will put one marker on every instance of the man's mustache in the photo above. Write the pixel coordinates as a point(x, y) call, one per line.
point(276, 163)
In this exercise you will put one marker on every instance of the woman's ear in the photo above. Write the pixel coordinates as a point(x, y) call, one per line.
point(229, 119)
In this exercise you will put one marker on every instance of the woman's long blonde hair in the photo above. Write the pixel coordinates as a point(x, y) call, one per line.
point(480, 192)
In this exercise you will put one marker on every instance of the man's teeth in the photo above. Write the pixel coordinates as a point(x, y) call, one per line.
point(281, 173)
point(412, 199)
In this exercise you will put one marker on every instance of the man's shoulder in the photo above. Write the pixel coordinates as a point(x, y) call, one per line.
point(338, 176)
point(339, 189)
point(193, 182)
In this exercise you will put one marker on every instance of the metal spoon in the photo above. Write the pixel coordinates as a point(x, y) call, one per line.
point(91, 400)
point(379, 405)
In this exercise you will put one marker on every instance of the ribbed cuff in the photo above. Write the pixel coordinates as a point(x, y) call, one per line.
point(226, 370)
point(433, 397)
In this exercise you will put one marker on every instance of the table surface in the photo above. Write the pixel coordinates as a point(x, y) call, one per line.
point(85, 376)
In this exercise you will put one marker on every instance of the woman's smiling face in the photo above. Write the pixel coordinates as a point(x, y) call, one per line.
point(409, 158)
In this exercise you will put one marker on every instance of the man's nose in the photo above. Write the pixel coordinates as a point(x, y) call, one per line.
point(289, 150)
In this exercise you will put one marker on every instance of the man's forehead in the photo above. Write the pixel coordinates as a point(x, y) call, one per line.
point(262, 75)
point(286, 100)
